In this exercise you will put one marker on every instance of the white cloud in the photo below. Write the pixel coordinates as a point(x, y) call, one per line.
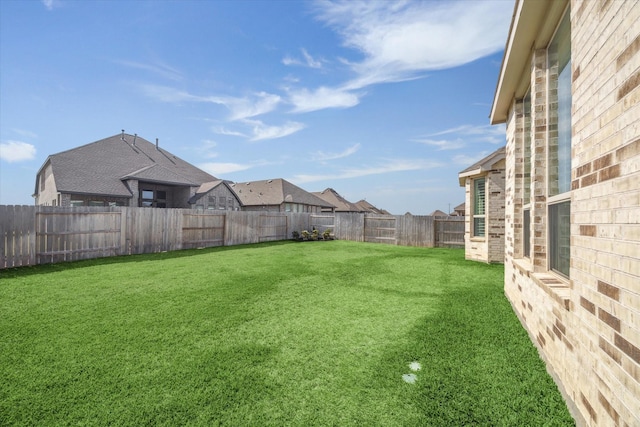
point(309, 61)
point(17, 151)
point(323, 157)
point(240, 108)
point(224, 131)
point(443, 144)
point(169, 94)
point(207, 149)
point(261, 131)
point(484, 133)
point(216, 169)
point(25, 133)
point(324, 97)
point(390, 166)
point(401, 40)
point(157, 68)
point(51, 4)
point(468, 160)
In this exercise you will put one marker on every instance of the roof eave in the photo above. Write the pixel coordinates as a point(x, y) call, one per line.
point(532, 26)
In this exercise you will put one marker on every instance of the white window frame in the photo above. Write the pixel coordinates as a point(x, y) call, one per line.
point(565, 197)
point(475, 215)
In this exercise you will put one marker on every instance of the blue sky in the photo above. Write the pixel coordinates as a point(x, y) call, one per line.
point(384, 101)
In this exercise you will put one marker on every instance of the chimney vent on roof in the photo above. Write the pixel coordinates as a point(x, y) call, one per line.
point(157, 144)
point(135, 135)
point(122, 136)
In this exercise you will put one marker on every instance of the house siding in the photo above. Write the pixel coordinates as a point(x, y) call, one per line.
point(489, 248)
point(587, 328)
point(212, 200)
point(47, 193)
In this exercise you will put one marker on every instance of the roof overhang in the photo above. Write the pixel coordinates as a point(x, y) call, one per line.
point(532, 26)
point(482, 167)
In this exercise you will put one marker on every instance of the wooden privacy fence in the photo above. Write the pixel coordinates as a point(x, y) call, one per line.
point(31, 235)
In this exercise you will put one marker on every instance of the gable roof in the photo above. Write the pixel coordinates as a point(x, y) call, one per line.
point(102, 167)
point(342, 205)
point(275, 192)
point(205, 187)
point(368, 207)
point(484, 165)
point(438, 212)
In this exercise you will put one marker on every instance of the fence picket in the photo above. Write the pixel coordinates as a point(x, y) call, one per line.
point(31, 235)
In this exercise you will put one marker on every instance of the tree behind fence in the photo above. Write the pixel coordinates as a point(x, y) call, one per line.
point(33, 235)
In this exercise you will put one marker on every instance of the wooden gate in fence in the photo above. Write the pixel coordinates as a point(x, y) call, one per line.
point(202, 230)
point(272, 227)
point(69, 235)
point(380, 229)
point(449, 233)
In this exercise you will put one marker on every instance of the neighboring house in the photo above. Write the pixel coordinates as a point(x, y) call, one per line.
point(484, 200)
point(367, 207)
point(341, 204)
point(438, 213)
point(216, 195)
point(569, 93)
point(278, 195)
point(459, 210)
point(122, 170)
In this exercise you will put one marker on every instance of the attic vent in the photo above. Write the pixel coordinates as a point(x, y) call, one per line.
point(270, 181)
point(248, 183)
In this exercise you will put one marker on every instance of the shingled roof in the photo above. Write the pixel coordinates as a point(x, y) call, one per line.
point(483, 165)
point(275, 192)
point(101, 167)
point(342, 205)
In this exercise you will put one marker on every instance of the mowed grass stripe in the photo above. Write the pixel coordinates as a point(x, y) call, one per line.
point(316, 333)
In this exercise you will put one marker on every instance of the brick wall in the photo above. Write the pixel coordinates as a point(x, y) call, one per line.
point(587, 328)
point(489, 248)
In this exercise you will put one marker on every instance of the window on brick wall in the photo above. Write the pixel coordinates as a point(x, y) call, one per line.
point(479, 207)
point(559, 148)
point(526, 176)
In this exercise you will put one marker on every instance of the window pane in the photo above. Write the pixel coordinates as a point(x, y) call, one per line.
point(560, 110)
point(526, 183)
point(526, 233)
point(147, 194)
point(478, 227)
point(161, 195)
point(478, 196)
point(559, 237)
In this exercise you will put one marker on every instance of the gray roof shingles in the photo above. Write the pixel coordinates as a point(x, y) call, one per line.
point(102, 166)
point(273, 192)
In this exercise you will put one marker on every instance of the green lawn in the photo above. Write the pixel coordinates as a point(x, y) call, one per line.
point(317, 333)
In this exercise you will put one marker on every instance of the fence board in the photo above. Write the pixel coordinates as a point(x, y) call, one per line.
point(17, 236)
point(272, 227)
point(201, 230)
point(379, 229)
point(32, 235)
point(70, 234)
point(449, 233)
